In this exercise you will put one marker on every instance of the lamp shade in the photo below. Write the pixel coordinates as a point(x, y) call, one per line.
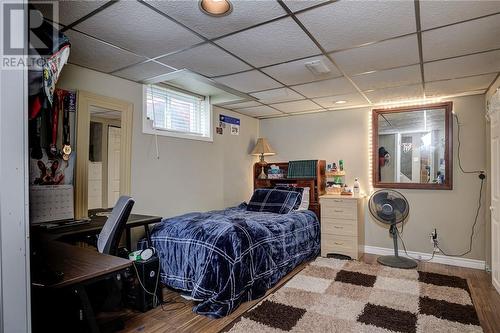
point(263, 147)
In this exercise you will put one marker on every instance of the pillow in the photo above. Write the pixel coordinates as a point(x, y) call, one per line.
point(272, 201)
point(304, 197)
point(293, 189)
point(304, 204)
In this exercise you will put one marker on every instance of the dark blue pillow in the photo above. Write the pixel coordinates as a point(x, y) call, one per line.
point(273, 201)
point(294, 189)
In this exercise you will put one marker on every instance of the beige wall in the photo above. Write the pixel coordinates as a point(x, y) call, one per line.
point(345, 135)
point(190, 175)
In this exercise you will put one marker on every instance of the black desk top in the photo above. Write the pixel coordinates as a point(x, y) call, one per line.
point(97, 223)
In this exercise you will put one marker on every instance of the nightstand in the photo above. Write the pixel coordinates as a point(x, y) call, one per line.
point(342, 225)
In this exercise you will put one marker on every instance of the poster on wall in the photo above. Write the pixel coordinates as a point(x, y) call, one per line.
point(233, 124)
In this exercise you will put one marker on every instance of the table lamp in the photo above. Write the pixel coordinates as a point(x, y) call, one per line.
point(263, 148)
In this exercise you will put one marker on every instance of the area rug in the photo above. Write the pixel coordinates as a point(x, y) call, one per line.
point(332, 295)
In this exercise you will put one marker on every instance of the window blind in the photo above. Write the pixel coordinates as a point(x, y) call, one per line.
point(178, 112)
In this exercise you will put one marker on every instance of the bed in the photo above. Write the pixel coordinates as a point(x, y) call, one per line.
point(230, 256)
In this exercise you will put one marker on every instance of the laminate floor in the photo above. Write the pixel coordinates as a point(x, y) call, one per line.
point(177, 315)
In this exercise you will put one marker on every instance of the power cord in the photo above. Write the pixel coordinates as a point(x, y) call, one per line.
point(482, 176)
point(406, 252)
point(458, 149)
point(473, 225)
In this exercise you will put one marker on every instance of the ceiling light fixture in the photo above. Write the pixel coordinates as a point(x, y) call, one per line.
point(340, 102)
point(215, 7)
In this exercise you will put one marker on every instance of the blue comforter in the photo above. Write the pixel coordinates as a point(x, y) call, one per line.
point(231, 256)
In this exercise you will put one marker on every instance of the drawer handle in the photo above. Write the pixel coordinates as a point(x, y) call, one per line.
point(337, 200)
point(338, 211)
point(337, 227)
point(338, 243)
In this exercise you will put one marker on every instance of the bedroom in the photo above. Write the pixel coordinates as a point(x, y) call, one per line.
point(329, 82)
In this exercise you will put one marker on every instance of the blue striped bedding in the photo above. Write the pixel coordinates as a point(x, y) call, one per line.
point(231, 256)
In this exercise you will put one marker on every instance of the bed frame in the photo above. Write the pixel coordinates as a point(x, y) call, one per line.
point(316, 184)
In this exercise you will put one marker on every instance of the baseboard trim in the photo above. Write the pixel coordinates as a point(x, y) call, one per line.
point(439, 259)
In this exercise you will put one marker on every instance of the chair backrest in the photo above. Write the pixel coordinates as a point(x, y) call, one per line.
point(110, 235)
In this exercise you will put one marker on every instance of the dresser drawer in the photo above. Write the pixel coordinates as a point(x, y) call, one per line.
point(339, 212)
point(338, 202)
point(339, 227)
point(346, 245)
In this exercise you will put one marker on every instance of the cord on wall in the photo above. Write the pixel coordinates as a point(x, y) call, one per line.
point(482, 176)
point(458, 149)
point(154, 122)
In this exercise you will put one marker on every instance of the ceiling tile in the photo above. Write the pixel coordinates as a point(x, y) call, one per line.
point(248, 81)
point(331, 87)
point(297, 106)
point(296, 5)
point(396, 94)
point(277, 95)
point(296, 72)
point(397, 52)
point(448, 87)
point(259, 111)
point(476, 64)
point(91, 53)
point(438, 13)
point(134, 26)
point(67, 11)
point(350, 100)
point(463, 38)
point(206, 59)
point(244, 14)
point(345, 24)
point(242, 105)
point(143, 71)
point(388, 78)
point(270, 43)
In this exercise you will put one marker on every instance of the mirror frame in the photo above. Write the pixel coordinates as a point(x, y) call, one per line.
point(448, 152)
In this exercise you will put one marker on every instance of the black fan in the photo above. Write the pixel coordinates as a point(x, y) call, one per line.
point(391, 207)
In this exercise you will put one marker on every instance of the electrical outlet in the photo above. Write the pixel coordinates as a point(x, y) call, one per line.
point(434, 239)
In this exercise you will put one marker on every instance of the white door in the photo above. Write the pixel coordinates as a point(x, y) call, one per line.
point(495, 190)
point(114, 143)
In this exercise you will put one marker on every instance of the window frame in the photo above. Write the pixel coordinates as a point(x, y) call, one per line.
point(147, 124)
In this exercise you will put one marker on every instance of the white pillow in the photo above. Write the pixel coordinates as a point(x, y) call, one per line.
point(304, 204)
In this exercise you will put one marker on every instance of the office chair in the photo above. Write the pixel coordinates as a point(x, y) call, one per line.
point(106, 295)
point(109, 238)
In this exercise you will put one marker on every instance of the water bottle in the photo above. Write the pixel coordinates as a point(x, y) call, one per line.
point(355, 187)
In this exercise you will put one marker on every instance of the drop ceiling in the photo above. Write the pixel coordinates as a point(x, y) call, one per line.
point(375, 51)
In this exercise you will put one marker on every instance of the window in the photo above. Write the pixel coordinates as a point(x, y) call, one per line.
point(173, 113)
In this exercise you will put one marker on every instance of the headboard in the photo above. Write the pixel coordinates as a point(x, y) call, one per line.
point(317, 184)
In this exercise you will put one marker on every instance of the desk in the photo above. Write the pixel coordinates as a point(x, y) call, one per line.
point(97, 223)
point(81, 267)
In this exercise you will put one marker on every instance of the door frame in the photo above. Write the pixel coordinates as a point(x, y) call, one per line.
point(107, 196)
point(85, 101)
point(493, 116)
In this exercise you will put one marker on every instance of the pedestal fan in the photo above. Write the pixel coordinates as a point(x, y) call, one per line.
point(391, 207)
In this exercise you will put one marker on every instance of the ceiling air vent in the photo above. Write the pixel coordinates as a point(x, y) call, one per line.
point(317, 67)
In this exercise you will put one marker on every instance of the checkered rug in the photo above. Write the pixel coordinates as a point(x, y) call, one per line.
point(332, 295)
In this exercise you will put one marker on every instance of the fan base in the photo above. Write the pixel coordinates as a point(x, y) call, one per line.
point(397, 262)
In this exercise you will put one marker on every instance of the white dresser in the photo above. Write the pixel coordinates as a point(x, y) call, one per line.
point(342, 225)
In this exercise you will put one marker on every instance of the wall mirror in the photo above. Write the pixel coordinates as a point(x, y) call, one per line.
point(413, 147)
